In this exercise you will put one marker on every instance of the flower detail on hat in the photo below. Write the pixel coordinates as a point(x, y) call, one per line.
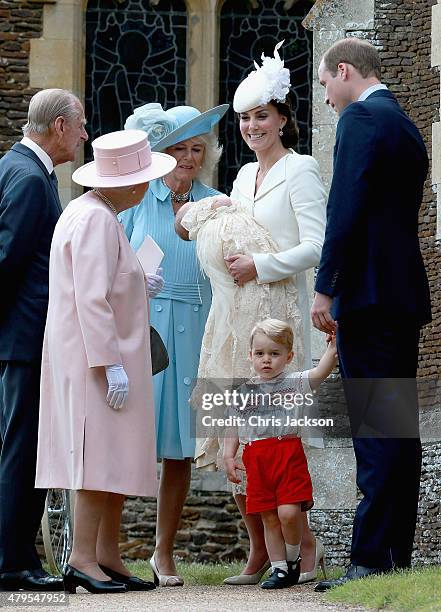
point(153, 120)
point(277, 79)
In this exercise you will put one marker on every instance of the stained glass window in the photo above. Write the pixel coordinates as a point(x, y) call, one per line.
point(135, 53)
point(246, 32)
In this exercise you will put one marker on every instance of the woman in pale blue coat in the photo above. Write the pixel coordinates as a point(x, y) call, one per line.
point(180, 309)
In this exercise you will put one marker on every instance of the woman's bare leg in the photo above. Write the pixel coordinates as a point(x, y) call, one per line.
point(307, 547)
point(173, 489)
point(253, 522)
point(89, 508)
point(107, 546)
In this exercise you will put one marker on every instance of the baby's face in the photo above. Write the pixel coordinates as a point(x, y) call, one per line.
point(269, 358)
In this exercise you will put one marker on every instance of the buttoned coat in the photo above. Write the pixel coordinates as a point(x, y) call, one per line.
point(97, 316)
point(291, 204)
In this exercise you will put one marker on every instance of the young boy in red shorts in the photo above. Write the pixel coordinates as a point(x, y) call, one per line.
point(278, 481)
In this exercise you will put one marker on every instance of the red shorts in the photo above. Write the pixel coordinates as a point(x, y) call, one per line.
point(277, 474)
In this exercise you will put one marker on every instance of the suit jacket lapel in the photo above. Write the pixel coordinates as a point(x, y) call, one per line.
point(19, 148)
point(275, 176)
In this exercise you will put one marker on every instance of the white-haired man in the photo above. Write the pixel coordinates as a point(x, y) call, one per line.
point(29, 210)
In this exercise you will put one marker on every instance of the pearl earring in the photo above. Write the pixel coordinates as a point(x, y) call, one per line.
point(134, 191)
point(280, 132)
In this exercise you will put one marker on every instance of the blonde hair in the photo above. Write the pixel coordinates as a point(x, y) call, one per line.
point(277, 331)
point(212, 153)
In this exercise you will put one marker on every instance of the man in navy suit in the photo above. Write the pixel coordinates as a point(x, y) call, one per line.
point(29, 210)
point(372, 290)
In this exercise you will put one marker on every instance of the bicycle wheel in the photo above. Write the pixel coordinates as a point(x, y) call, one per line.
point(57, 528)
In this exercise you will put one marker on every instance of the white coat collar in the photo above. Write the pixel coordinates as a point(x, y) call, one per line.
point(277, 174)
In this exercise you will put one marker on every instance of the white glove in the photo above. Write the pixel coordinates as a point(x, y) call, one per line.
point(118, 386)
point(154, 283)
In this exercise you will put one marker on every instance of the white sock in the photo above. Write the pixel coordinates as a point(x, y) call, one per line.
point(283, 565)
point(292, 551)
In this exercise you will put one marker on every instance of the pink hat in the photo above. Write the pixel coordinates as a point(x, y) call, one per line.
point(122, 159)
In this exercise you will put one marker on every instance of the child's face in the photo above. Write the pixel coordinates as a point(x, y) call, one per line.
point(269, 358)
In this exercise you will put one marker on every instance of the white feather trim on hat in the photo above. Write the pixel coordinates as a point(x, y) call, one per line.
point(271, 81)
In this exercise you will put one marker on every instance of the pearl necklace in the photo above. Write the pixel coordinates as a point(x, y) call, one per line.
point(179, 198)
point(106, 200)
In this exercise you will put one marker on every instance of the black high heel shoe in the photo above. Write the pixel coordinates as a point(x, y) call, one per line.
point(133, 583)
point(73, 578)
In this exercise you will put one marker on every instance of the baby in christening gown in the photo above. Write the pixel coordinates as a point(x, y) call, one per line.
point(221, 232)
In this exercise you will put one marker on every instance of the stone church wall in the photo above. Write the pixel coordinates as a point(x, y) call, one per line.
point(19, 22)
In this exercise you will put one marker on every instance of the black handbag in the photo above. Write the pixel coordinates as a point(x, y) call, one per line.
point(158, 351)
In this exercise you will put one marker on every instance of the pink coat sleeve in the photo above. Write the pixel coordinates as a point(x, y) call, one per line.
point(95, 248)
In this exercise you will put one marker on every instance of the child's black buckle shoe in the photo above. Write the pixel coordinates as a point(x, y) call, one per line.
point(294, 570)
point(279, 579)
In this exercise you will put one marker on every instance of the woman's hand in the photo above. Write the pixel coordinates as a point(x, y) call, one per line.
point(220, 200)
point(241, 268)
point(231, 465)
point(154, 283)
point(118, 386)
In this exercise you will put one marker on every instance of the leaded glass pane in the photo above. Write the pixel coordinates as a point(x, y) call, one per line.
point(246, 32)
point(135, 53)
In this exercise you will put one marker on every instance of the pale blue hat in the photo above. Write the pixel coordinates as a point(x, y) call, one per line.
point(166, 128)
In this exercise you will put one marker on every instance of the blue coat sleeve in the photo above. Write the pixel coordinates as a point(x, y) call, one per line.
point(354, 158)
point(23, 212)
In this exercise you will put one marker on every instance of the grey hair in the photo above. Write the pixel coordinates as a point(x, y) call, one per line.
point(46, 106)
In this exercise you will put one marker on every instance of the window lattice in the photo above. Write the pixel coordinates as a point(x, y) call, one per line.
point(246, 32)
point(135, 53)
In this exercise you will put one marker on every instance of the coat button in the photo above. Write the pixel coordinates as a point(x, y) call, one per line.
point(187, 380)
point(195, 308)
point(180, 328)
point(158, 307)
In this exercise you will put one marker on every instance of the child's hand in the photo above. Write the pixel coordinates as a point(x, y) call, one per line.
point(332, 347)
point(231, 465)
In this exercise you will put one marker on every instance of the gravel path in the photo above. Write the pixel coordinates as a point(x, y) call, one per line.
point(199, 599)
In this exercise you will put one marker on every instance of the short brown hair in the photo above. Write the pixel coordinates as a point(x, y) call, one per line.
point(359, 53)
point(277, 331)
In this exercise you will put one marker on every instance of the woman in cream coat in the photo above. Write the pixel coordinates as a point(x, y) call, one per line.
point(96, 429)
point(283, 191)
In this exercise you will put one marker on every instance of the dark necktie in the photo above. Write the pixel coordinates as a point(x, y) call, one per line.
point(54, 179)
point(54, 182)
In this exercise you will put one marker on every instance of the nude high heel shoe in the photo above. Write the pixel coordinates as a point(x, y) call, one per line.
point(162, 579)
point(249, 578)
point(319, 560)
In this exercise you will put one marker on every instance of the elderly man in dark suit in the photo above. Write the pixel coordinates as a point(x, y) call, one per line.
point(372, 289)
point(29, 210)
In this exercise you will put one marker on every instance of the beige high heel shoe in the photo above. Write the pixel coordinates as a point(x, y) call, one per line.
point(249, 578)
point(319, 560)
point(162, 579)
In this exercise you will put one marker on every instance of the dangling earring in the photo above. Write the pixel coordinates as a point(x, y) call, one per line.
point(134, 191)
point(280, 132)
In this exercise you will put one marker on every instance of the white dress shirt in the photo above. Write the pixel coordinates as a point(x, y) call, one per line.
point(367, 92)
point(39, 152)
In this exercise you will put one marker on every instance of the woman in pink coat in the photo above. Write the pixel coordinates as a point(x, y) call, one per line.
point(97, 430)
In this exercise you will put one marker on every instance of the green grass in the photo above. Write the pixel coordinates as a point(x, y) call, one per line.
point(416, 590)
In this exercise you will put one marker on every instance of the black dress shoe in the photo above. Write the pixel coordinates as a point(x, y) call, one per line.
point(73, 578)
point(30, 580)
point(279, 579)
point(354, 572)
point(133, 583)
